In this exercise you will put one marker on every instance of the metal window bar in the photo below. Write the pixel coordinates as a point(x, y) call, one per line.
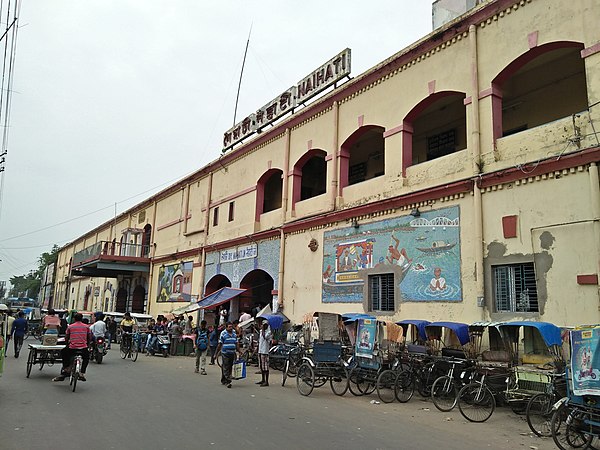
point(382, 292)
point(515, 288)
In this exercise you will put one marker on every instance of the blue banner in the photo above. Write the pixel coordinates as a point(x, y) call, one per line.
point(365, 338)
point(585, 361)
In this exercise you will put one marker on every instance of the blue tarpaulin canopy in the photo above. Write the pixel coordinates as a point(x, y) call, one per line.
point(219, 297)
point(460, 329)
point(353, 317)
point(420, 324)
point(549, 332)
point(276, 320)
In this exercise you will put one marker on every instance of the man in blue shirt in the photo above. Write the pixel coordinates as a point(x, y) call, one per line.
point(228, 347)
point(18, 330)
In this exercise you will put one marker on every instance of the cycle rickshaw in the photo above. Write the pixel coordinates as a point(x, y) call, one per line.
point(535, 359)
point(323, 361)
point(575, 419)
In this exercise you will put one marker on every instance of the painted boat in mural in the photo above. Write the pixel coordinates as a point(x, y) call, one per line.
point(421, 238)
point(437, 247)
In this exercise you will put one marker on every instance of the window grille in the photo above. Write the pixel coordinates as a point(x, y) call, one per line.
point(515, 288)
point(381, 292)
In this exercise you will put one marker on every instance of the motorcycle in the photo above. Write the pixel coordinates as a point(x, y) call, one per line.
point(98, 350)
point(161, 345)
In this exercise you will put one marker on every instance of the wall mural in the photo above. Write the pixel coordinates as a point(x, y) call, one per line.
point(175, 282)
point(426, 249)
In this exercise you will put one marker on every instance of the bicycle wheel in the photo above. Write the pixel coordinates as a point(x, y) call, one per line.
point(133, 354)
point(123, 350)
point(339, 382)
point(564, 429)
point(355, 379)
point(404, 387)
point(75, 372)
point(476, 402)
point(539, 414)
point(30, 360)
point(305, 379)
point(385, 385)
point(284, 372)
point(219, 359)
point(444, 393)
point(292, 368)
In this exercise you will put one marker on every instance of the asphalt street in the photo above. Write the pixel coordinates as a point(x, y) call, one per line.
point(160, 403)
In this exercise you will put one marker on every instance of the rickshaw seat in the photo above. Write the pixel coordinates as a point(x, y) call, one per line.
point(495, 355)
point(327, 351)
point(421, 349)
point(536, 359)
point(453, 353)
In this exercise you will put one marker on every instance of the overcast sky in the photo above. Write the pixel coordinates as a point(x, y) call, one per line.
point(115, 100)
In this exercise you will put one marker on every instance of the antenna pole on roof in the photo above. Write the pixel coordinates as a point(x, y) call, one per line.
point(241, 73)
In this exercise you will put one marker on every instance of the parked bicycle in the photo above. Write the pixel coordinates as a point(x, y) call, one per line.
point(540, 407)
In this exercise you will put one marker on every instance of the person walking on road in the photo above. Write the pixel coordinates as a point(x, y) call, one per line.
point(213, 341)
point(228, 347)
point(201, 347)
point(18, 331)
point(264, 343)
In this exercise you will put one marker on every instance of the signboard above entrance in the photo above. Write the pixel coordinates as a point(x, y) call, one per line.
point(316, 82)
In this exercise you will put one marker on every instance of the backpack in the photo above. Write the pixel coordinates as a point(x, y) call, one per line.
point(202, 340)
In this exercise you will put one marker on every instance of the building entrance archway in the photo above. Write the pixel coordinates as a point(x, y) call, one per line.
point(214, 284)
point(259, 291)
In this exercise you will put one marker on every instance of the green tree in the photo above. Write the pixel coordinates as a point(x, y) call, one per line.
point(29, 285)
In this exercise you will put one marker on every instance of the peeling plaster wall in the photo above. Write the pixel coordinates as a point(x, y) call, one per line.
point(555, 232)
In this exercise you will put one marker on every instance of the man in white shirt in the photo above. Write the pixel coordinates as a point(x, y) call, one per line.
point(264, 343)
point(99, 329)
point(245, 316)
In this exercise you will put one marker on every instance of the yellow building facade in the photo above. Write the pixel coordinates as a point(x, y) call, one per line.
point(456, 180)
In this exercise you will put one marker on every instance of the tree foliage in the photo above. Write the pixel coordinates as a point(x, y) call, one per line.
point(28, 285)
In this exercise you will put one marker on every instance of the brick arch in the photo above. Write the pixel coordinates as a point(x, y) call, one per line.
point(345, 151)
point(408, 124)
point(260, 190)
point(511, 69)
point(297, 172)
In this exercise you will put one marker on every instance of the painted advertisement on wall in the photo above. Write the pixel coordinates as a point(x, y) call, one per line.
point(585, 361)
point(423, 252)
point(175, 282)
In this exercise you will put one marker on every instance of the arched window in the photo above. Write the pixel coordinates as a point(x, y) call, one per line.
point(310, 175)
point(362, 156)
point(542, 85)
point(268, 192)
point(435, 127)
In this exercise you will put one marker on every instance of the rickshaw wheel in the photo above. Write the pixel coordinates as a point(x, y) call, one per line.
point(284, 372)
point(444, 393)
point(354, 379)
point(319, 381)
point(539, 414)
point(30, 360)
point(404, 388)
point(476, 402)
point(305, 379)
point(339, 382)
point(566, 436)
point(385, 385)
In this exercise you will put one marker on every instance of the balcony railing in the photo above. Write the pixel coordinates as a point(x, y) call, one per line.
point(107, 249)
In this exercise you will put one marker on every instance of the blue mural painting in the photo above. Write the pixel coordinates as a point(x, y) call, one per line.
point(423, 252)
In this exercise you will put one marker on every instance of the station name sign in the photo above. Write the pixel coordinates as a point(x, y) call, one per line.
point(242, 252)
point(316, 82)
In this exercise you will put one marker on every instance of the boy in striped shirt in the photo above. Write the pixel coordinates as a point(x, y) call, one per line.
point(228, 347)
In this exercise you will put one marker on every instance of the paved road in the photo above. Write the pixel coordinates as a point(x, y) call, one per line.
point(158, 403)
